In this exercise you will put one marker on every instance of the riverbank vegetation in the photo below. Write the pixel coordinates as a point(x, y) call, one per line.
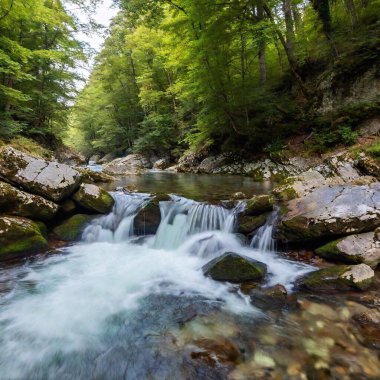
point(238, 76)
point(231, 76)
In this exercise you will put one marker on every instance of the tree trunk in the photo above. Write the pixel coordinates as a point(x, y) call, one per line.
point(290, 37)
point(352, 11)
point(262, 48)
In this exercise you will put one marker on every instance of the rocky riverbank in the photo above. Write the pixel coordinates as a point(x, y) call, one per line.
point(39, 197)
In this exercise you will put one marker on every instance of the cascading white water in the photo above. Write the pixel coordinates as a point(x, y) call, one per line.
point(68, 312)
point(263, 240)
point(182, 217)
point(118, 225)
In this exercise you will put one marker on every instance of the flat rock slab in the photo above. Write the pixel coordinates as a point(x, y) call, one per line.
point(359, 248)
point(51, 180)
point(19, 203)
point(331, 211)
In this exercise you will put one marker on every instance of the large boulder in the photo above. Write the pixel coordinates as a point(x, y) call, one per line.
point(248, 224)
point(331, 211)
point(91, 176)
point(235, 268)
point(258, 205)
point(131, 164)
point(162, 164)
point(369, 165)
point(51, 180)
point(66, 155)
point(148, 218)
point(339, 277)
point(353, 249)
point(20, 235)
point(19, 203)
point(94, 199)
point(72, 228)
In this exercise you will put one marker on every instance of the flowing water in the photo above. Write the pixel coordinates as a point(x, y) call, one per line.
point(115, 306)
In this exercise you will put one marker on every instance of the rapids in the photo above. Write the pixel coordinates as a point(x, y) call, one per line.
point(107, 307)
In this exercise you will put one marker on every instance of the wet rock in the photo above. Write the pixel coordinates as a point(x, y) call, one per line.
point(235, 268)
point(131, 164)
point(368, 323)
point(258, 205)
point(353, 249)
point(90, 176)
point(148, 218)
point(331, 211)
point(238, 196)
point(94, 199)
point(339, 277)
point(49, 179)
point(216, 352)
point(162, 164)
point(19, 203)
point(247, 224)
point(273, 297)
point(72, 228)
point(211, 164)
point(20, 235)
point(68, 207)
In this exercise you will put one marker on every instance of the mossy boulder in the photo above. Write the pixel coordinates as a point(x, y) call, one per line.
point(91, 176)
point(248, 224)
point(331, 211)
point(235, 268)
point(94, 199)
point(71, 229)
point(339, 277)
point(49, 179)
point(273, 297)
point(353, 249)
point(19, 203)
point(258, 205)
point(20, 236)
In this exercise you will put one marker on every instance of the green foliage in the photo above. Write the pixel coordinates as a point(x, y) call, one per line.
point(374, 150)
point(37, 57)
point(227, 76)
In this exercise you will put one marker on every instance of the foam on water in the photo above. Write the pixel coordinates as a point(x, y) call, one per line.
point(64, 304)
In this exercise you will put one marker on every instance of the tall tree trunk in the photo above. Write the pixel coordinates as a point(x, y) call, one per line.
point(322, 7)
point(290, 37)
point(262, 47)
point(293, 63)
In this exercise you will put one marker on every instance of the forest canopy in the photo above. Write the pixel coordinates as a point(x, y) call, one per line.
point(235, 75)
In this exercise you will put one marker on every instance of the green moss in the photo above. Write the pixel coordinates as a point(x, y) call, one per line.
point(235, 268)
point(248, 224)
point(327, 278)
point(259, 204)
point(72, 228)
point(102, 202)
point(31, 147)
point(20, 235)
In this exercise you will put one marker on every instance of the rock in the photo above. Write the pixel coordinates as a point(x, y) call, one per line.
point(248, 224)
point(189, 162)
point(339, 277)
point(368, 323)
point(370, 127)
point(369, 165)
point(90, 176)
point(20, 235)
point(269, 298)
point(258, 205)
point(106, 159)
point(353, 249)
point(66, 155)
point(162, 164)
point(72, 228)
point(148, 218)
point(49, 179)
point(131, 164)
point(238, 196)
point(19, 203)
point(68, 207)
point(211, 164)
point(94, 199)
point(331, 211)
point(234, 268)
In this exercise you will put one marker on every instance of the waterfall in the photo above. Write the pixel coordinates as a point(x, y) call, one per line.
point(182, 217)
point(118, 225)
point(263, 240)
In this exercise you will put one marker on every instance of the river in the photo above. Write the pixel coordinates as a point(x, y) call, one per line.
point(117, 306)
